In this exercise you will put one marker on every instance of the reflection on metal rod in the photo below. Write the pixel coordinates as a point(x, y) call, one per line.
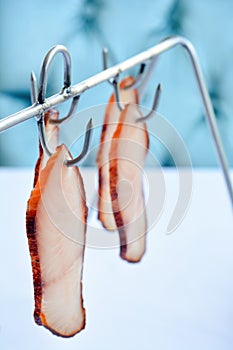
point(111, 72)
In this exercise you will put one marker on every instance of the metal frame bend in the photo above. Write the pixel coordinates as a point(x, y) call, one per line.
point(112, 72)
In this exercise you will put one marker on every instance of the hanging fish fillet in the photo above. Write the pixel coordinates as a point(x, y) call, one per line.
point(111, 119)
point(127, 155)
point(56, 229)
point(52, 135)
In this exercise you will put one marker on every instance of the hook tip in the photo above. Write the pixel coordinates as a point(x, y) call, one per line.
point(105, 57)
point(33, 87)
point(157, 96)
point(159, 87)
point(33, 76)
point(86, 145)
point(90, 124)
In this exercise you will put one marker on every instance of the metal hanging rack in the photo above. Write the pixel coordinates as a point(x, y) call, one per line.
point(150, 55)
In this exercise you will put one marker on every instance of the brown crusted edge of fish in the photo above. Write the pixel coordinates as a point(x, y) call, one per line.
point(113, 187)
point(124, 83)
point(32, 205)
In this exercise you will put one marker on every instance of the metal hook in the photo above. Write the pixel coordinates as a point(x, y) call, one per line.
point(45, 67)
point(154, 106)
point(87, 141)
point(86, 145)
point(67, 79)
point(33, 88)
point(40, 97)
point(137, 80)
point(117, 92)
point(113, 81)
point(71, 112)
point(34, 94)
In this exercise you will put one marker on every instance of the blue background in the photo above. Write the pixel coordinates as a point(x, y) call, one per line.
point(30, 28)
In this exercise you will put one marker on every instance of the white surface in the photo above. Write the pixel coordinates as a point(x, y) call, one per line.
point(179, 297)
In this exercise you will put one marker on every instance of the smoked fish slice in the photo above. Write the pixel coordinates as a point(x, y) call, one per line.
point(56, 229)
point(129, 148)
point(111, 119)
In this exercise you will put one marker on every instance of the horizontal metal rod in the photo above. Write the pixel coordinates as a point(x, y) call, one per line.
point(94, 80)
point(121, 67)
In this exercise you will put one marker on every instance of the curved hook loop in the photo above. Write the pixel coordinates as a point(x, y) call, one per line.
point(87, 141)
point(45, 67)
point(154, 105)
point(86, 145)
point(138, 80)
point(41, 95)
point(71, 112)
point(34, 94)
point(67, 79)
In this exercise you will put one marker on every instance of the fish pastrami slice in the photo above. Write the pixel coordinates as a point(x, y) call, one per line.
point(129, 148)
point(56, 229)
point(112, 116)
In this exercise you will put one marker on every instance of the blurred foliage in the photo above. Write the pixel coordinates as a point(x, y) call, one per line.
point(88, 19)
point(173, 21)
point(88, 22)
